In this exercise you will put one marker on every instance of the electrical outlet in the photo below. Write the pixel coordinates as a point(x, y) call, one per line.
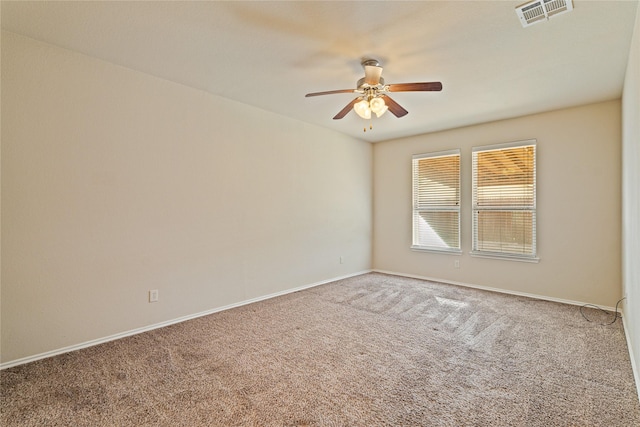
point(153, 295)
point(456, 263)
point(341, 260)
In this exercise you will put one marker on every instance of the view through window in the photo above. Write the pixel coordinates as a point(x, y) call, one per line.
point(504, 200)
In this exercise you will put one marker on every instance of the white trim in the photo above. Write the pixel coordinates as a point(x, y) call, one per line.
point(497, 255)
point(436, 251)
point(634, 367)
point(136, 331)
point(502, 146)
point(487, 288)
point(455, 151)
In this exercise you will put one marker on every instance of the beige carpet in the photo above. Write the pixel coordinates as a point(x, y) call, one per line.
point(373, 350)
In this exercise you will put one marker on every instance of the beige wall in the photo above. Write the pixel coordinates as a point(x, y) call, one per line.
point(115, 182)
point(578, 195)
point(631, 196)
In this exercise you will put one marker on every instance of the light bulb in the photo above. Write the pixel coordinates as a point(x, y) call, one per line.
point(378, 106)
point(362, 109)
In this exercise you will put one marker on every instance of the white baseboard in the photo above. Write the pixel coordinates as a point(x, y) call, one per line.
point(634, 367)
point(487, 288)
point(136, 331)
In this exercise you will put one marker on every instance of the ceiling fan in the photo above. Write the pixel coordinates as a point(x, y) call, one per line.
point(373, 93)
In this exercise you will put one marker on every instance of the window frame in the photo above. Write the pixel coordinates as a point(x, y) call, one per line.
point(415, 209)
point(533, 257)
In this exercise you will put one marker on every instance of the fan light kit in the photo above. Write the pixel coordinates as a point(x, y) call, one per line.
point(373, 93)
point(367, 106)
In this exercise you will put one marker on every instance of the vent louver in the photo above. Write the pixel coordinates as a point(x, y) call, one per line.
point(539, 10)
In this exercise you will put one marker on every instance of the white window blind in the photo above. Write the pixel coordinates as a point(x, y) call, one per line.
point(504, 200)
point(436, 201)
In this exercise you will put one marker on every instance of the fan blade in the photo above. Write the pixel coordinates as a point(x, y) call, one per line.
point(330, 92)
point(410, 87)
point(395, 108)
point(372, 74)
point(346, 109)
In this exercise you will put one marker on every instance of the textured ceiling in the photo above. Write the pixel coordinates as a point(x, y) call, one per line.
point(269, 54)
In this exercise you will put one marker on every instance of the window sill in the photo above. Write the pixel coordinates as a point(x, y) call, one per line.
point(437, 251)
point(493, 255)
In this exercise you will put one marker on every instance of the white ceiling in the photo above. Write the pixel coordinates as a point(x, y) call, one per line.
point(270, 54)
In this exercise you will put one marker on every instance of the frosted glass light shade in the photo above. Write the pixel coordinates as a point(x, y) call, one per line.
point(378, 106)
point(362, 109)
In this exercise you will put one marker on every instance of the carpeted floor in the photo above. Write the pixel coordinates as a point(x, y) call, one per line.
point(373, 350)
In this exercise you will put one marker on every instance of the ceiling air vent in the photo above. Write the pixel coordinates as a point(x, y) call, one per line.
point(539, 10)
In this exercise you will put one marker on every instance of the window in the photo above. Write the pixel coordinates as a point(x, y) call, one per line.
point(504, 200)
point(436, 201)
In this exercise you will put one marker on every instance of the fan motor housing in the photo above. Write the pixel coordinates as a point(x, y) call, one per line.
point(361, 82)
